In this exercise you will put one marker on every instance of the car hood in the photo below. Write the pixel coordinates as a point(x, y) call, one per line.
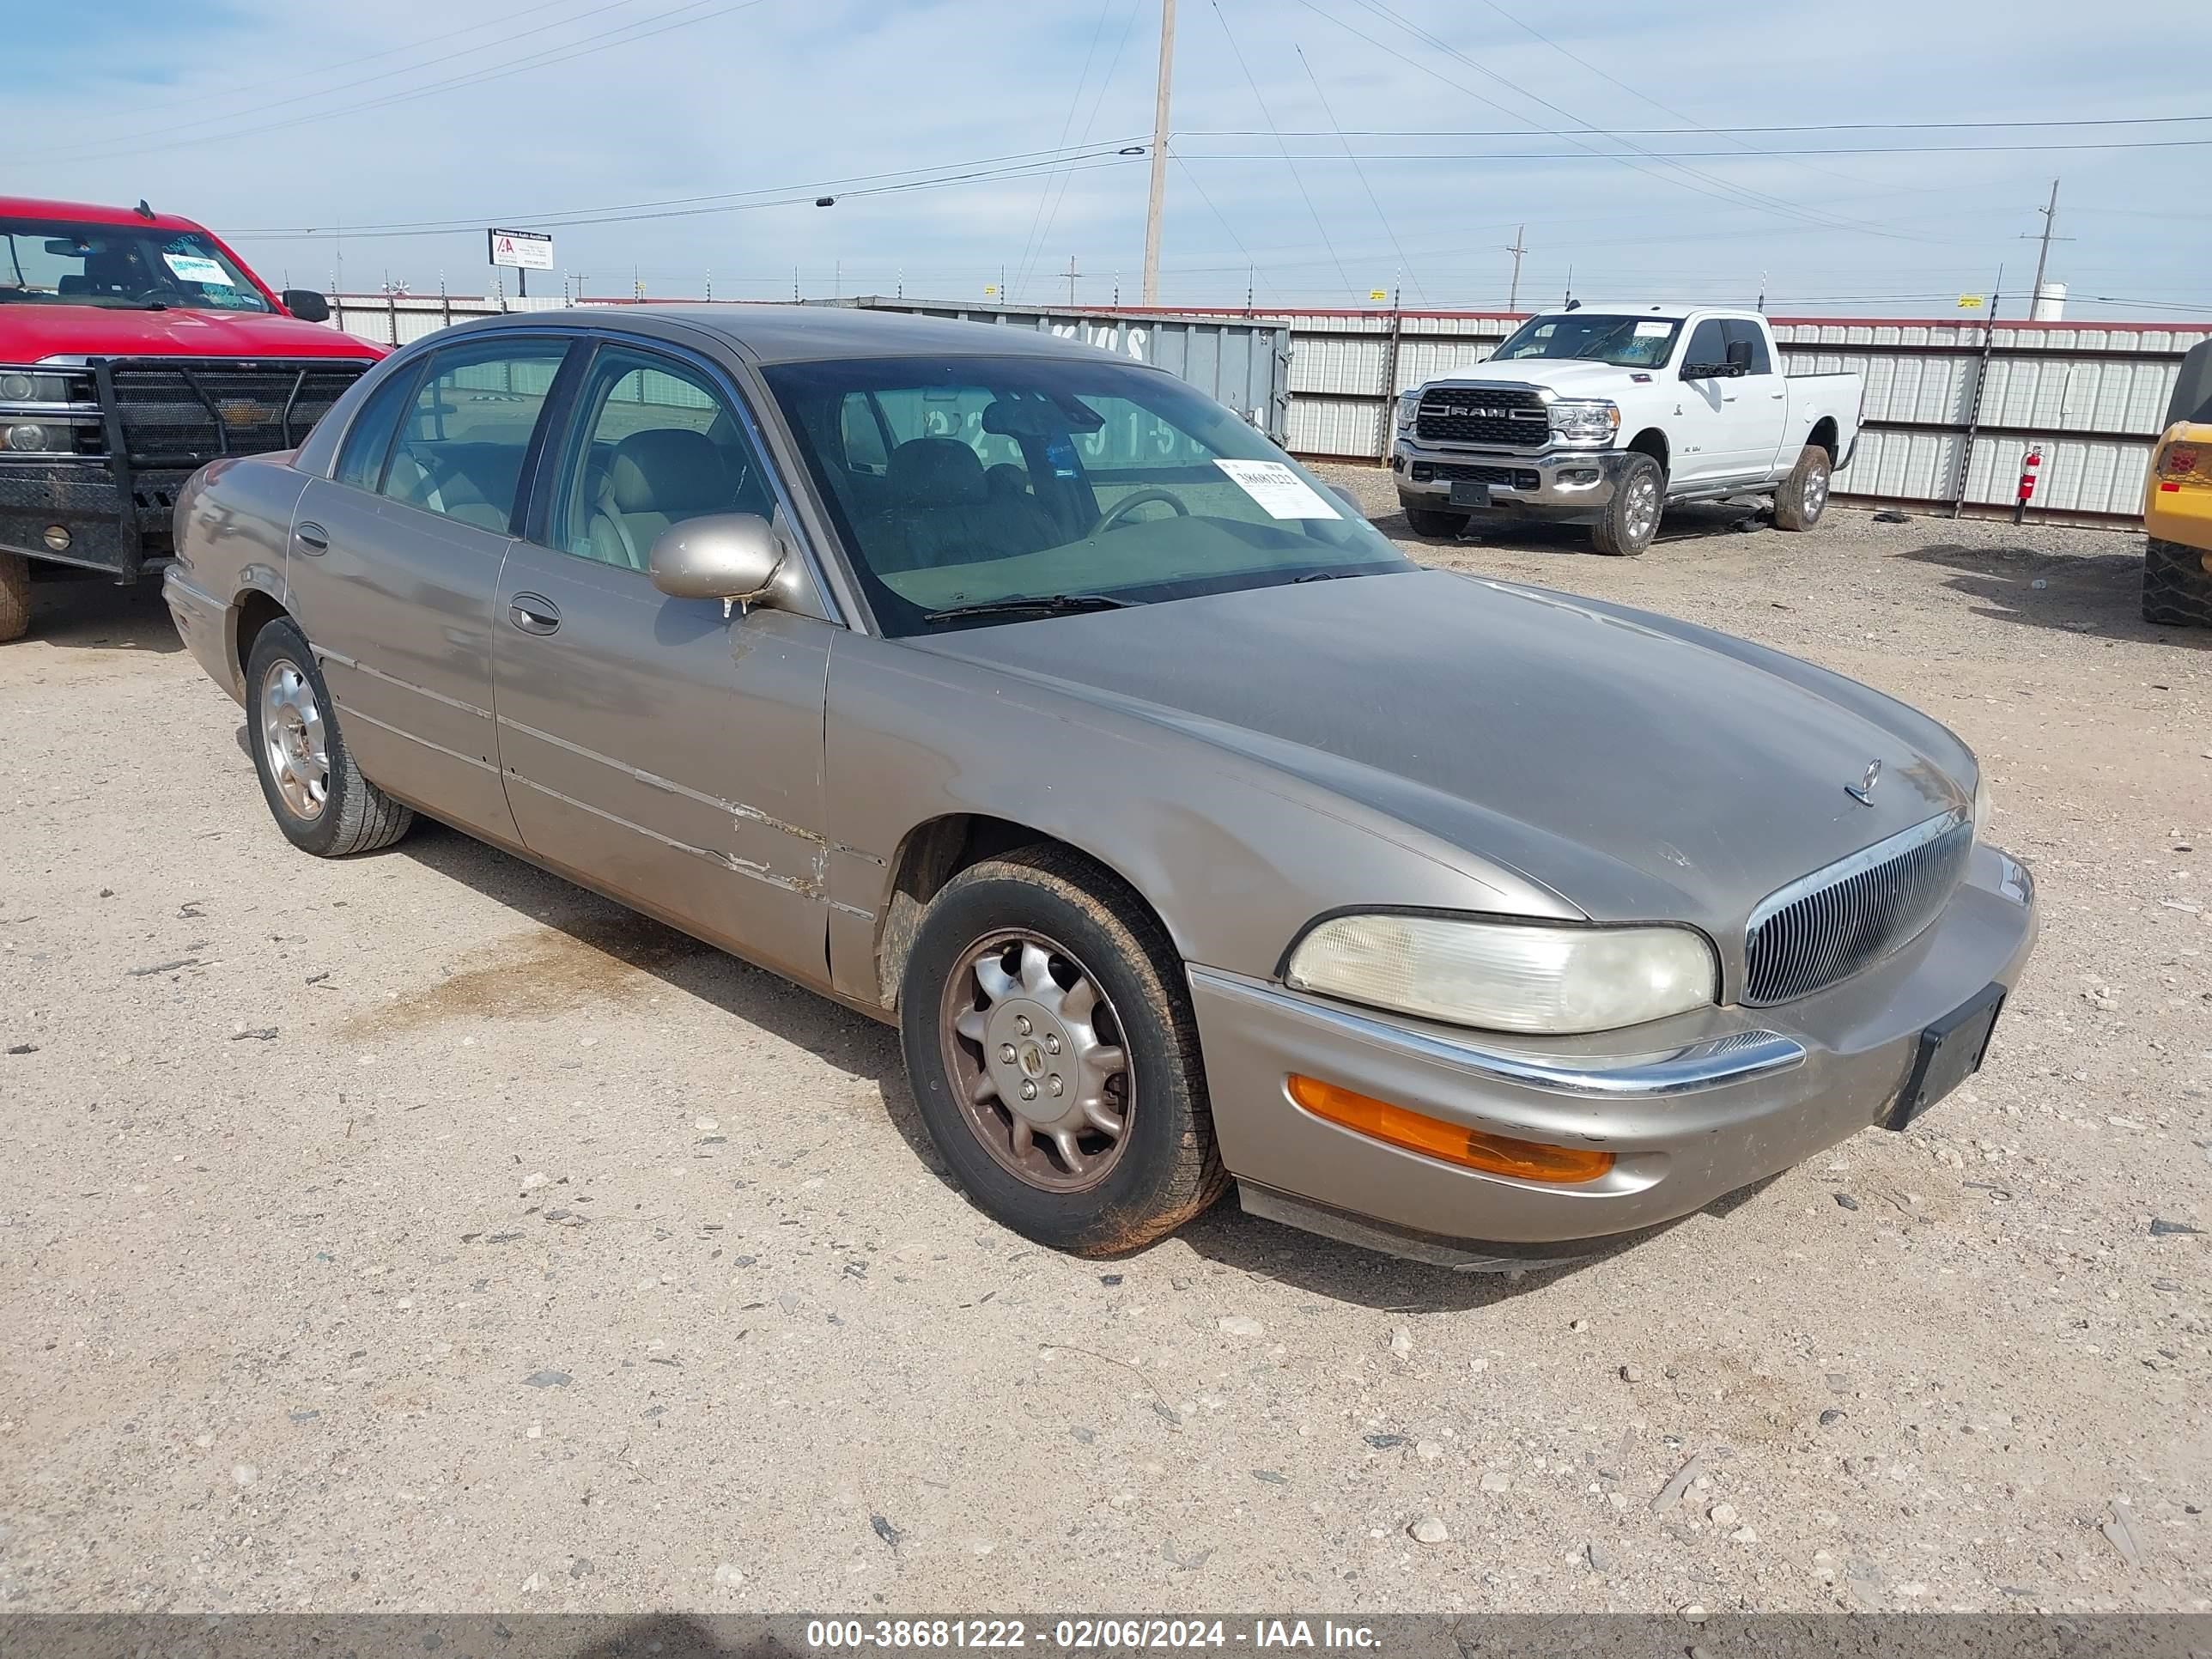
point(39, 333)
point(1565, 375)
point(1640, 768)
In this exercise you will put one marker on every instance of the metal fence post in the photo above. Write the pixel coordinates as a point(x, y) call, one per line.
point(1390, 369)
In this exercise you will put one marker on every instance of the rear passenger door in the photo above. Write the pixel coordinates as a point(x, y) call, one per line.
point(395, 560)
point(665, 750)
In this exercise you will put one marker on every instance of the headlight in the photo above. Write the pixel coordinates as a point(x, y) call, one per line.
point(29, 438)
point(1409, 404)
point(1983, 805)
point(1585, 422)
point(1507, 977)
point(31, 385)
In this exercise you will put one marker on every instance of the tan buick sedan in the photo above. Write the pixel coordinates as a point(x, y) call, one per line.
point(1023, 697)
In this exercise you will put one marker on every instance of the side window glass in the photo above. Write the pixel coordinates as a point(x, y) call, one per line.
point(1740, 331)
point(1707, 351)
point(862, 438)
point(468, 426)
point(368, 440)
point(655, 443)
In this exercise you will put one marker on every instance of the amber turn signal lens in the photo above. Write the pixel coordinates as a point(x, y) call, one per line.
point(1454, 1143)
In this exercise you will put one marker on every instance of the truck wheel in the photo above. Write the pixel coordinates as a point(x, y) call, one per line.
point(1632, 517)
point(1441, 526)
point(14, 596)
point(2177, 590)
point(1804, 493)
point(1053, 1055)
point(315, 792)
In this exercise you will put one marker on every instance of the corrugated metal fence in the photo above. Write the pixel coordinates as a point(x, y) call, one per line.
point(2092, 394)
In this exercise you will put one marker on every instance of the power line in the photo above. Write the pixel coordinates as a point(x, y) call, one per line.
point(1403, 263)
point(432, 227)
point(1661, 132)
point(1097, 106)
point(293, 78)
point(1066, 126)
point(1707, 155)
point(1267, 116)
point(1777, 203)
point(788, 195)
point(574, 49)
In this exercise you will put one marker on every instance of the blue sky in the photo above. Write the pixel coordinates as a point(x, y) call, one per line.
point(1323, 149)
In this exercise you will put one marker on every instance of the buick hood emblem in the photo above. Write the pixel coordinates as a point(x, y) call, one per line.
point(1862, 791)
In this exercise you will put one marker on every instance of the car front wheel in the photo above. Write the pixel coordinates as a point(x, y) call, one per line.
point(315, 792)
point(1054, 1056)
point(1631, 518)
point(1804, 493)
point(1439, 526)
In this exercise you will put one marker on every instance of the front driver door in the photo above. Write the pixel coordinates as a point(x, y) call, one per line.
point(657, 748)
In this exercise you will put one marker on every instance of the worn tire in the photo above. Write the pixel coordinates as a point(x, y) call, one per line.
point(1440, 526)
point(1804, 493)
point(1620, 531)
point(356, 816)
point(2177, 587)
point(14, 596)
point(1169, 1170)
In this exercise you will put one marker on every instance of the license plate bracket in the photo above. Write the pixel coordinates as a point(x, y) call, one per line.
point(1951, 1051)
point(1467, 493)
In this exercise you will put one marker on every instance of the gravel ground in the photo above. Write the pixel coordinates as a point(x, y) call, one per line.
point(419, 1232)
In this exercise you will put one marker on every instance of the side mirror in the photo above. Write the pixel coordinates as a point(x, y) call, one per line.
point(1739, 356)
point(723, 556)
point(306, 305)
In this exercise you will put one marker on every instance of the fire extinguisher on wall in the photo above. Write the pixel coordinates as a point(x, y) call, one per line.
point(2028, 468)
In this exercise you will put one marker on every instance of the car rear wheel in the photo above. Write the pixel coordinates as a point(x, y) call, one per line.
point(1054, 1056)
point(1804, 493)
point(1631, 518)
point(14, 596)
point(315, 792)
point(2176, 588)
point(1429, 521)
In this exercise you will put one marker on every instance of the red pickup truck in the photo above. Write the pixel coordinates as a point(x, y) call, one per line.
point(134, 348)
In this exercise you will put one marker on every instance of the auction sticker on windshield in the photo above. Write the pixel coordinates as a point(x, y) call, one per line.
point(1280, 491)
point(1652, 331)
point(197, 268)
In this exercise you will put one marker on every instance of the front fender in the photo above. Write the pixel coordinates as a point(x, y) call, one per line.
point(1234, 857)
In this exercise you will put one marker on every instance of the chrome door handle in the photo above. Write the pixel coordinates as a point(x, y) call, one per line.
point(311, 537)
point(533, 613)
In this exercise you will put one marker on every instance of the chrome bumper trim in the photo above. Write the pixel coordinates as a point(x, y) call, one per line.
point(1719, 1063)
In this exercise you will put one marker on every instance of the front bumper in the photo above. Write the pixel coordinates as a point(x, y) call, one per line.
point(112, 526)
point(1564, 485)
point(1740, 1096)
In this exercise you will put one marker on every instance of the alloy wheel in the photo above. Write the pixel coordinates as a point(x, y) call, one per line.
point(295, 740)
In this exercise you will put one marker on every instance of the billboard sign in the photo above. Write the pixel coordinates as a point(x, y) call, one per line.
point(522, 250)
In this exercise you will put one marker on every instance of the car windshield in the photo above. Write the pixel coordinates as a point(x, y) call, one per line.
point(1624, 342)
point(59, 262)
point(986, 490)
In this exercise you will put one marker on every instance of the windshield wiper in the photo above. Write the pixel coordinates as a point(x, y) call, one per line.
point(1046, 604)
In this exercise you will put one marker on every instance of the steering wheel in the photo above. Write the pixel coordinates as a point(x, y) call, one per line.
point(1121, 509)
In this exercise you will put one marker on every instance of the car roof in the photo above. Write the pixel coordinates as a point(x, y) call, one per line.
point(1673, 312)
point(91, 213)
point(821, 333)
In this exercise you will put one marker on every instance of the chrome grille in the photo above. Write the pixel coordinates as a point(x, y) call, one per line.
point(181, 412)
point(1834, 922)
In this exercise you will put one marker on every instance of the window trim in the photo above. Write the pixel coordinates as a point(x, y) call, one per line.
point(412, 376)
point(535, 505)
point(526, 475)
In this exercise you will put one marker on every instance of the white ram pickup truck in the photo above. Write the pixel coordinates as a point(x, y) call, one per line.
point(1606, 417)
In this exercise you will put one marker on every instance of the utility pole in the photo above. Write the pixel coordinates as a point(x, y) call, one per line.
point(1513, 298)
point(2043, 254)
point(1071, 274)
point(1154, 202)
